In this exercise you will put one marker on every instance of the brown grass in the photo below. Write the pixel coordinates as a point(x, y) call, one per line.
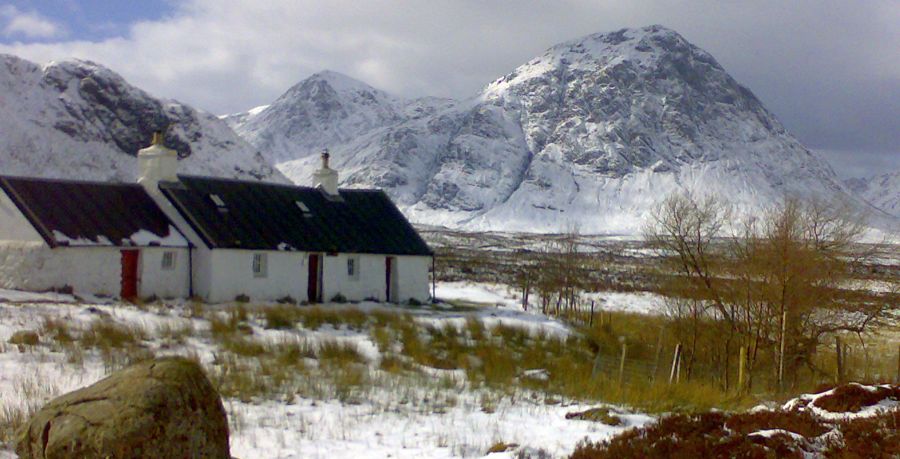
point(717, 434)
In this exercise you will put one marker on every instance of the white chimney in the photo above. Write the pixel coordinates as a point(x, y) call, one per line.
point(157, 164)
point(326, 178)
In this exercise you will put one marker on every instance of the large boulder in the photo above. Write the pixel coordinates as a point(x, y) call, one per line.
point(159, 408)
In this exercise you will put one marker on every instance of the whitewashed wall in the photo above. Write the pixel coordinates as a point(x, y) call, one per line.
point(13, 225)
point(35, 266)
point(154, 281)
point(412, 278)
point(202, 266)
point(367, 283)
point(231, 275)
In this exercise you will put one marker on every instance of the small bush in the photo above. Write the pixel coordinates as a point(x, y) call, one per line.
point(339, 298)
point(242, 298)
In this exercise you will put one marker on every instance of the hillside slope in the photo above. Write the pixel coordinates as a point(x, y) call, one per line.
point(77, 119)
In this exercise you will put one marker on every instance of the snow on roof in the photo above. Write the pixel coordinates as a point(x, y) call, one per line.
point(76, 213)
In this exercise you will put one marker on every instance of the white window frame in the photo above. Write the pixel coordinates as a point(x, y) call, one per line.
point(169, 260)
point(259, 265)
point(353, 268)
point(217, 200)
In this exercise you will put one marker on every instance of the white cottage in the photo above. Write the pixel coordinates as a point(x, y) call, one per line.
point(100, 238)
point(233, 239)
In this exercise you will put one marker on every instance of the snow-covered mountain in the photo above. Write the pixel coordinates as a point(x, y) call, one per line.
point(77, 119)
point(592, 133)
point(882, 191)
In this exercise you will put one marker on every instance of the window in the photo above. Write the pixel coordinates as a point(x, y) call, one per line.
point(303, 208)
point(353, 268)
point(217, 200)
point(168, 260)
point(260, 262)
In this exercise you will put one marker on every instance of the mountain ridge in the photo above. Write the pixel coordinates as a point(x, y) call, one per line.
point(76, 118)
point(591, 133)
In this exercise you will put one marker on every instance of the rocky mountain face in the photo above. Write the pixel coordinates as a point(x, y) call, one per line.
point(881, 191)
point(590, 134)
point(77, 119)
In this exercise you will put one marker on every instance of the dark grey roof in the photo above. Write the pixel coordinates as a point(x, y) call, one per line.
point(267, 216)
point(75, 213)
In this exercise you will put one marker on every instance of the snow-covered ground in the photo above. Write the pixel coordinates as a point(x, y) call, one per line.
point(432, 419)
point(506, 299)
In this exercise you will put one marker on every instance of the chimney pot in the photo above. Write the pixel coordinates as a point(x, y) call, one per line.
point(326, 178)
point(156, 163)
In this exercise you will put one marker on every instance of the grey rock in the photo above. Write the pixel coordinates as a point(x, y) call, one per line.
point(161, 408)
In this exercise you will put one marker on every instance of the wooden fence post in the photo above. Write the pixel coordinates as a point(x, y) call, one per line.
point(591, 324)
point(845, 359)
point(840, 359)
point(898, 364)
point(742, 358)
point(622, 363)
point(676, 365)
point(658, 355)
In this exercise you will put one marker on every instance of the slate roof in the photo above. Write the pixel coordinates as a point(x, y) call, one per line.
point(76, 213)
point(267, 216)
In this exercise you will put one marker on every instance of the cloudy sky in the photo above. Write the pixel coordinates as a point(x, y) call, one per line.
point(830, 70)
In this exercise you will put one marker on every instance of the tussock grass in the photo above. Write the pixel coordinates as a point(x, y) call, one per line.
point(57, 330)
point(243, 346)
point(105, 334)
point(175, 334)
point(280, 317)
point(31, 392)
point(339, 354)
point(315, 317)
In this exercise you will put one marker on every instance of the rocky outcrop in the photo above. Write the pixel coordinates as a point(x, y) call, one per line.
point(163, 408)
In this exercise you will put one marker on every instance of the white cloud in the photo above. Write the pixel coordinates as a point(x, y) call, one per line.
point(28, 24)
point(811, 62)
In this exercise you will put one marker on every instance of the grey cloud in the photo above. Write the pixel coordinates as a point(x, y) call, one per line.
point(829, 69)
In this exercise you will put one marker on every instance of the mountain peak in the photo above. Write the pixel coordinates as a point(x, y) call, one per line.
point(642, 48)
point(339, 82)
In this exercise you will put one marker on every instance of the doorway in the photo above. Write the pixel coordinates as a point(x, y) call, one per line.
point(129, 289)
point(390, 279)
point(314, 282)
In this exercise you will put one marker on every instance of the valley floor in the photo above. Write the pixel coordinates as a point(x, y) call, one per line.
point(426, 412)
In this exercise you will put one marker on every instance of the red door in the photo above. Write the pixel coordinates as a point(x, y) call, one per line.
point(129, 274)
point(387, 278)
point(312, 287)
